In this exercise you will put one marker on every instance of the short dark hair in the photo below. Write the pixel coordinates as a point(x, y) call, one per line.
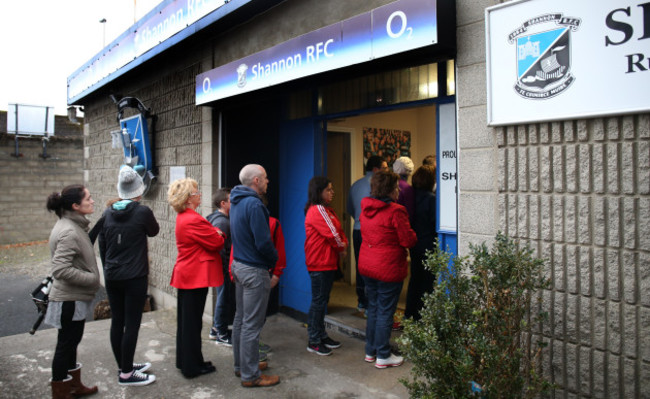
point(317, 185)
point(429, 160)
point(220, 195)
point(383, 183)
point(374, 161)
point(424, 178)
point(58, 202)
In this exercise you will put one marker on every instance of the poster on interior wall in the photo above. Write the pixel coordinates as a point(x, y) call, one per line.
point(556, 59)
point(389, 144)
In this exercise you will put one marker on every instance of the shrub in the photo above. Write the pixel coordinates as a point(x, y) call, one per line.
point(476, 326)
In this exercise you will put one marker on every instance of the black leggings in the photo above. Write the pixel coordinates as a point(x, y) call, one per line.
point(127, 298)
point(189, 320)
point(70, 333)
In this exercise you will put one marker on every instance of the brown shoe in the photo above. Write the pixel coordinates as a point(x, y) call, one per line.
point(262, 381)
point(262, 365)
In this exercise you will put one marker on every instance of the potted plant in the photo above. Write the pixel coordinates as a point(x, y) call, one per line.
point(475, 337)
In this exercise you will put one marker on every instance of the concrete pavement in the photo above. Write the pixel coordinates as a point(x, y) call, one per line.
point(25, 362)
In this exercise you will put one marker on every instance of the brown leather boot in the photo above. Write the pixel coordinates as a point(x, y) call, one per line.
point(61, 389)
point(77, 388)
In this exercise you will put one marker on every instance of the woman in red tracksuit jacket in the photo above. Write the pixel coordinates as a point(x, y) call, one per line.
point(324, 243)
point(386, 234)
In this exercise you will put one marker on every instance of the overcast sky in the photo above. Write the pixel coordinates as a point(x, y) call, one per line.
point(45, 41)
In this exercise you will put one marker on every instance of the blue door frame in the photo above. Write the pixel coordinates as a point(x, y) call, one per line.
point(302, 156)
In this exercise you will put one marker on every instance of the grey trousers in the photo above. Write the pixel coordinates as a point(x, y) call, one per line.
point(252, 287)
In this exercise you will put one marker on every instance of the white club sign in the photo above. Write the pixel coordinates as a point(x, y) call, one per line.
point(555, 59)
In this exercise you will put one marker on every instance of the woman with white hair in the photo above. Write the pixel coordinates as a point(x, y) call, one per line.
point(403, 166)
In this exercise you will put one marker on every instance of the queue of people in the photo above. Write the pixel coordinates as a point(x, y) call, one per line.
point(235, 249)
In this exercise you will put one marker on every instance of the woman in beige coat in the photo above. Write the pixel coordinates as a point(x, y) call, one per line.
point(76, 280)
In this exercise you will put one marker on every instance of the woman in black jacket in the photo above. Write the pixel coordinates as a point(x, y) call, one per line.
point(123, 250)
point(424, 224)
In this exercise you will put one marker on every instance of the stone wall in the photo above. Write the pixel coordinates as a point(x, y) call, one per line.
point(28, 179)
point(578, 193)
point(177, 140)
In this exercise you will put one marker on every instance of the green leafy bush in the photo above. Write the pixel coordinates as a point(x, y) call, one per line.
point(476, 326)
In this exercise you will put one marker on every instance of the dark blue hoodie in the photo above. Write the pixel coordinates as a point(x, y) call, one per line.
point(249, 229)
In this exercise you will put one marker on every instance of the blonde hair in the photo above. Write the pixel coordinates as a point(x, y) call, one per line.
point(179, 192)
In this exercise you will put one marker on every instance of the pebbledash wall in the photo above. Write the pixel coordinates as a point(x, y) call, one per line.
point(577, 191)
point(27, 180)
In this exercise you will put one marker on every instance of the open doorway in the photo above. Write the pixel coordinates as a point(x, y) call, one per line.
point(338, 171)
point(410, 132)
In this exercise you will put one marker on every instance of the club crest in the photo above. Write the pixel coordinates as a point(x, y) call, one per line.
point(543, 53)
point(241, 75)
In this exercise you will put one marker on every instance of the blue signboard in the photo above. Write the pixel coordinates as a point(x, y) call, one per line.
point(159, 25)
point(135, 141)
point(391, 29)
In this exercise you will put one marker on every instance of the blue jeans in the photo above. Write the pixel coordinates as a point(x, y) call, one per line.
point(382, 303)
point(321, 286)
point(223, 309)
point(252, 287)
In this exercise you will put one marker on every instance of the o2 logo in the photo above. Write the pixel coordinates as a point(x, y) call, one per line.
point(206, 85)
point(402, 23)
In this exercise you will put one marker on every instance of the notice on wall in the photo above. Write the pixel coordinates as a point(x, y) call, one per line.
point(176, 173)
point(556, 59)
point(447, 168)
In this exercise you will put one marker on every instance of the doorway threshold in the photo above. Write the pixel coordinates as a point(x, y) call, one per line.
point(346, 320)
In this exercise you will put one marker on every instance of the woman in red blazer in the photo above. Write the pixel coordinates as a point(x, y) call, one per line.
point(386, 234)
point(324, 243)
point(198, 266)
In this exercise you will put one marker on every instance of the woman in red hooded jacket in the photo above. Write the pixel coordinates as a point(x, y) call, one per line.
point(386, 234)
point(324, 243)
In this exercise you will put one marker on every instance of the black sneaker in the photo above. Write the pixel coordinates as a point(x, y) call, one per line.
point(319, 349)
point(138, 379)
point(330, 343)
point(141, 367)
point(214, 334)
point(224, 340)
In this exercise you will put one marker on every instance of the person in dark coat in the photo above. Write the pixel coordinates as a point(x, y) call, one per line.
point(124, 252)
point(424, 224)
point(224, 308)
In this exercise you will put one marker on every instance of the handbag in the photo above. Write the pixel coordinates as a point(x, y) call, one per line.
point(40, 296)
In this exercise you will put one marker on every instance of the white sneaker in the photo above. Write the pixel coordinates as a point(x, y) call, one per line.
point(369, 358)
point(391, 361)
